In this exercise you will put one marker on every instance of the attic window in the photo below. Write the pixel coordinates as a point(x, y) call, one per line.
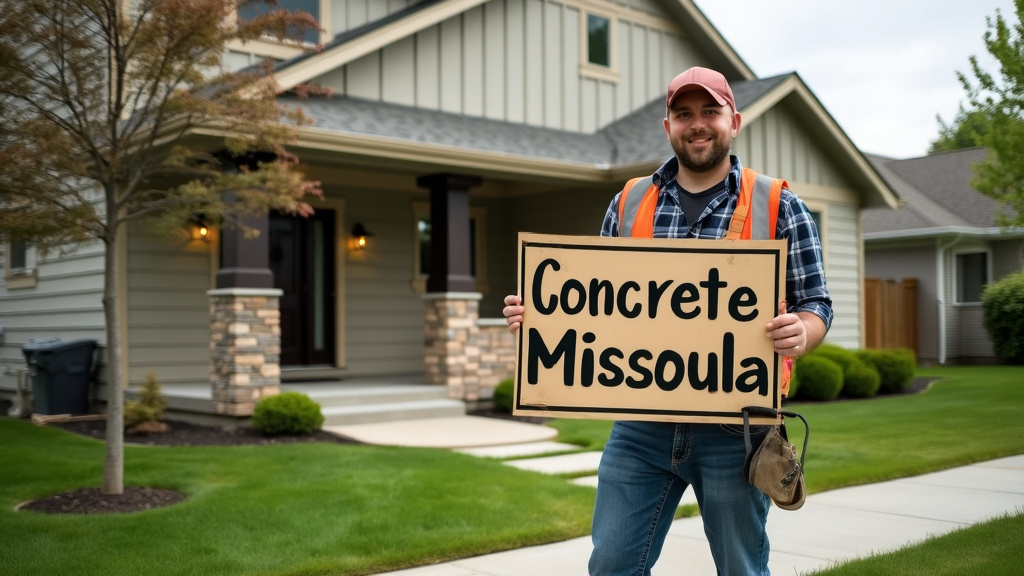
point(252, 10)
point(597, 47)
point(599, 40)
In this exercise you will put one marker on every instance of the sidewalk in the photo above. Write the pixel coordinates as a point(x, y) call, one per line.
point(831, 527)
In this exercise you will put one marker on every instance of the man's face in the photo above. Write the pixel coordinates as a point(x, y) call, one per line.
point(700, 131)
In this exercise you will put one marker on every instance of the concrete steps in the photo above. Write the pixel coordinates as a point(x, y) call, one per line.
point(368, 404)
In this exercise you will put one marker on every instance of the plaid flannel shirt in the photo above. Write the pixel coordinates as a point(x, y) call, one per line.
point(805, 274)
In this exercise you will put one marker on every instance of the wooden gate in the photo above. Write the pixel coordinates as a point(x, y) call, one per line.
point(890, 313)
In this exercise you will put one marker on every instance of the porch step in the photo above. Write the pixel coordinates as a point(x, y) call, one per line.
point(391, 411)
point(362, 394)
point(366, 403)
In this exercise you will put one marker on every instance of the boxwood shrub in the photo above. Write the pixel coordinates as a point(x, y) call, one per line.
point(895, 367)
point(503, 395)
point(817, 378)
point(1002, 305)
point(860, 380)
point(288, 413)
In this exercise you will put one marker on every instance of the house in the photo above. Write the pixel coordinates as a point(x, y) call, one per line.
point(945, 236)
point(455, 124)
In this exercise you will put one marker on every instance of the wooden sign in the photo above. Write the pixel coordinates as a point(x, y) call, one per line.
point(647, 329)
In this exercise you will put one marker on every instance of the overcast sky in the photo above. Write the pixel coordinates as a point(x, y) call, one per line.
point(882, 68)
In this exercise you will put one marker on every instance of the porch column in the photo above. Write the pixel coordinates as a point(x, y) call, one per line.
point(452, 344)
point(450, 269)
point(245, 262)
point(245, 348)
point(452, 353)
point(245, 321)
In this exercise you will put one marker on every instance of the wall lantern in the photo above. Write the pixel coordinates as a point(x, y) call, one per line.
point(359, 236)
point(200, 229)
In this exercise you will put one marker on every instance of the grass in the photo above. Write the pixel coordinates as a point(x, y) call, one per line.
point(298, 509)
point(993, 548)
point(972, 414)
point(309, 509)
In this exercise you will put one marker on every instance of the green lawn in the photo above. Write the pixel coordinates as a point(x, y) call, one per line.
point(972, 414)
point(993, 548)
point(340, 509)
point(274, 510)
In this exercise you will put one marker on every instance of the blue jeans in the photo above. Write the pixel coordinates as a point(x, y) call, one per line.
point(644, 471)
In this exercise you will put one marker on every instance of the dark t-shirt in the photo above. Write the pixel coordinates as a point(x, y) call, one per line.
point(693, 205)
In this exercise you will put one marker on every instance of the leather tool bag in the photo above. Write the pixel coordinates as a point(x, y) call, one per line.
point(773, 468)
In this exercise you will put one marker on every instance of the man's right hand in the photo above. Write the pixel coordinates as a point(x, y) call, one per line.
point(513, 312)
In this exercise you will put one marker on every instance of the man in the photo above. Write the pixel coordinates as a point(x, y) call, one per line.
point(646, 466)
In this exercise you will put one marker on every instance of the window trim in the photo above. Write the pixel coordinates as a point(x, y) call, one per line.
point(22, 277)
point(956, 272)
point(822, 209)
point(268, 47)
point(477, 213)
point(588, 69)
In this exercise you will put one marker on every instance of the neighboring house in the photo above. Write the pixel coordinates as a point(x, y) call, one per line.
point(945, 236)
point(455, 125)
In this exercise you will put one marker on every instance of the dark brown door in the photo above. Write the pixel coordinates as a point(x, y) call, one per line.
point(302, 260)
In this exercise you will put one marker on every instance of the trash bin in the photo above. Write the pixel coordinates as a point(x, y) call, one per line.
point(60, 373)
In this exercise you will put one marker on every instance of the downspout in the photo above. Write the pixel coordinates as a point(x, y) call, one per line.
point(940, 286)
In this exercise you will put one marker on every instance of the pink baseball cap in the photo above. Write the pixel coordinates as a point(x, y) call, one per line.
point(698, 78)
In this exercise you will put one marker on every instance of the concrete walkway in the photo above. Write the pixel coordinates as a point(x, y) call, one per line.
point(831, 527)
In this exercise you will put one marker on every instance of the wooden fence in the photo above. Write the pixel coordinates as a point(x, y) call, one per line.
point(890, 313)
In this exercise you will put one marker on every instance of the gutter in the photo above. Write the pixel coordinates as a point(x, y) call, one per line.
point(940, 274)
point(966, 231)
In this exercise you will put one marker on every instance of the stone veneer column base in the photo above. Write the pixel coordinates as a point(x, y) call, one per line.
point(245, 348)
point(452, 356)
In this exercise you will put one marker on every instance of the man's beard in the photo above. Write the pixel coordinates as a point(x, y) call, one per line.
point(714, 157)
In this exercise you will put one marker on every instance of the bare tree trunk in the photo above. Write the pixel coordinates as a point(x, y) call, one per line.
point(113, 465)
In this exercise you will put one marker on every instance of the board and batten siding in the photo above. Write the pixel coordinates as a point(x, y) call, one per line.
point(65, 303)
point(519, 61)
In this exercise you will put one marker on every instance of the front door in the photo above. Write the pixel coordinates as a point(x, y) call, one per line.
point(302, 260)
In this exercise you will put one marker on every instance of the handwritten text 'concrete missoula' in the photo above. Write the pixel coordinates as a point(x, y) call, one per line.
point(666, 369)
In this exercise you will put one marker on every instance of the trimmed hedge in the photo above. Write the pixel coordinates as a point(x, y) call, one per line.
point(1002, 306)
point(288, 413)
point(860, 380)
point(817, 378)
point(895, 366)
point(503, 395)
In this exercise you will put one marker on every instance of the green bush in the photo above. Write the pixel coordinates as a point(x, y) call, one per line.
point(842, 356)
point(895, 367)
point(287, 413)
point(149, 407)
point(817, 378)
point(1002, 305)
point(860, 380)
point(503, 395)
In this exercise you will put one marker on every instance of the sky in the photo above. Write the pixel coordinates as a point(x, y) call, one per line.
point(882, 68)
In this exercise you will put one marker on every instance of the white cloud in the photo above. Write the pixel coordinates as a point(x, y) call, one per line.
point(882, 68)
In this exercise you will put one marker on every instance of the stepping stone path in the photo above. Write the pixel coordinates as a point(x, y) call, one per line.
point(552, 458)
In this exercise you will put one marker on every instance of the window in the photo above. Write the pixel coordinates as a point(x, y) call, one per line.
point(19, 265)
point(599, 40)
point(971, 276)
point(422, 235)
point(597, 47)
point(311, 6)
point(18, 254)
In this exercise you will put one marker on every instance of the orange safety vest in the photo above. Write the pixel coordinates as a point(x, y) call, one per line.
point(757, 211)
